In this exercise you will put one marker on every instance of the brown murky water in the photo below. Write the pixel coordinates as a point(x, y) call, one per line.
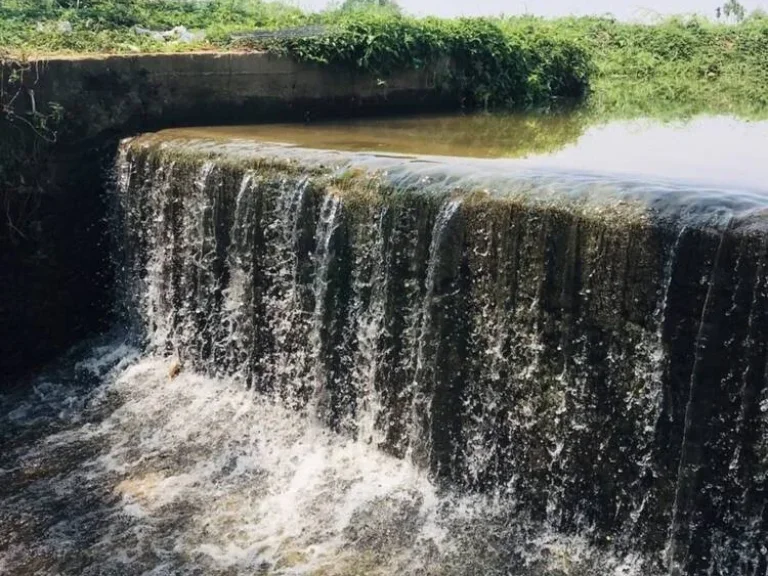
point(477, 136)
point(720, 150)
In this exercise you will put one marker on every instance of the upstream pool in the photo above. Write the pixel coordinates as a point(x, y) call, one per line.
point(720, 150)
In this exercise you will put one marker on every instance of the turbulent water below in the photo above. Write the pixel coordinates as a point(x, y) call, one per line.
point(112, 466)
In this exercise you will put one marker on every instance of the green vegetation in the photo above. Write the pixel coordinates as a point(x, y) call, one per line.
point(680, 66)
point(493, 67)
point(109, 26)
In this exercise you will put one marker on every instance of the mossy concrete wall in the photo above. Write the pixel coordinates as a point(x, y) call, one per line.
point(54, 266)
point(147, 91)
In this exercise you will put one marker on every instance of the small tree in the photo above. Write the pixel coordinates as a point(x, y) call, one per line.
point(734, 10)
point(383, 5)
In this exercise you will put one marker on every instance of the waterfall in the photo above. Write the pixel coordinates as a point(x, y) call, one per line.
point(597, 366)
point(324, 303)
point(425, 378)
point(371, 277)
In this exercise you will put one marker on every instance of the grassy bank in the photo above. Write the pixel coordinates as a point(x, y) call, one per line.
point(676, 67)
point(494, 67)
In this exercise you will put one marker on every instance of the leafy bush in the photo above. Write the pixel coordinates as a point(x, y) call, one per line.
point(682, 66)
point(492, 69)
point(30, 26)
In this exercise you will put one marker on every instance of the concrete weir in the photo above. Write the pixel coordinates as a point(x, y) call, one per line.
point(126, 93)
point(592, 348)
point(589, 350)
point(54, 272)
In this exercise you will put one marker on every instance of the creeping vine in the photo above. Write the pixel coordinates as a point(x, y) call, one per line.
point(29, 129)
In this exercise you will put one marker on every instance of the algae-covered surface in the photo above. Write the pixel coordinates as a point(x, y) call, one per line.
point(709, 162)
point(412, 361)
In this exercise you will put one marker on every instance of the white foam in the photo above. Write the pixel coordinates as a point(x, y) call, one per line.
point(197, 473)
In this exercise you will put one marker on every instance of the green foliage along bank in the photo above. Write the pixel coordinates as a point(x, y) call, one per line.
point(679, 66)
point(493, 67)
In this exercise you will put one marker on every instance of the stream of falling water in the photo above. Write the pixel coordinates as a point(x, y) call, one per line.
point(110, 466)
point(377, 383)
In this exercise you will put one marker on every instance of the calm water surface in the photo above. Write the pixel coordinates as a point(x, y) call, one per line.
point(718, 150)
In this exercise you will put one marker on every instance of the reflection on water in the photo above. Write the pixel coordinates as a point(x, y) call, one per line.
point(718, 150)
point(478, 135)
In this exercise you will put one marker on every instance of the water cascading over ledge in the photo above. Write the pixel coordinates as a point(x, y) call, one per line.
point(593, 349)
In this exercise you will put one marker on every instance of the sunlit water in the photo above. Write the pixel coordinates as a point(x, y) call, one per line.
point(719, 150)
point(110, 466)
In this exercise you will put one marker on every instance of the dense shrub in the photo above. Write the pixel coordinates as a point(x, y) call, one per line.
point(492, 68)
point(677, 66)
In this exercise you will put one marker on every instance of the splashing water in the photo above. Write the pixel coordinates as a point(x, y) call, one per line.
point(112, 467)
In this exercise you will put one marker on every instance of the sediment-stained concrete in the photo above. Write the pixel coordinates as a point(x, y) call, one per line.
point(593, 348)
point(139, 92)
point(54, 272)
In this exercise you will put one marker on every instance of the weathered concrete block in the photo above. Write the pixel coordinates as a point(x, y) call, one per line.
point(54, 273)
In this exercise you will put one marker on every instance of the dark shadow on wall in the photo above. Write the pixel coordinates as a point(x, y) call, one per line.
point(54, 271)
point(55, 278)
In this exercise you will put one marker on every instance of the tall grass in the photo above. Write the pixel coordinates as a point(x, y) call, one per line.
point(492, 67)
point(107, 26)
point(674, 67)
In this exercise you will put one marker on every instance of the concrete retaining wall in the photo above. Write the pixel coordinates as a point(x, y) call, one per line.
point(128, 93)
point(54, 266)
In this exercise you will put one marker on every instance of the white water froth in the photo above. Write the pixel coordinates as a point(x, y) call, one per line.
point(141, 473)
